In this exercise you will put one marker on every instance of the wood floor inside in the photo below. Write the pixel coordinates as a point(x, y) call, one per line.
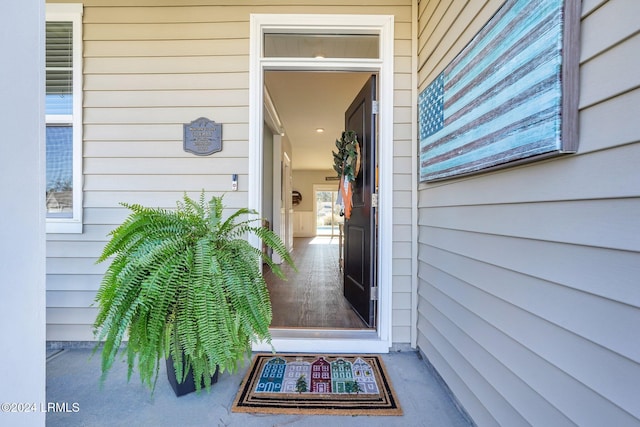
point(312, 297)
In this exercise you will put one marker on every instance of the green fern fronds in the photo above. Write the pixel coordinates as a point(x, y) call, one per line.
point(184, 283)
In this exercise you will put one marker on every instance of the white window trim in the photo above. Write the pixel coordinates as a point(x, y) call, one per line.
point(71, 13)
point(381, 339)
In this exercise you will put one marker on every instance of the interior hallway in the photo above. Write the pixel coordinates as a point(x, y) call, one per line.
point(312, 298)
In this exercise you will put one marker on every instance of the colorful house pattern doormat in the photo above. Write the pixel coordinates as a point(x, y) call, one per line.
point(317, 384)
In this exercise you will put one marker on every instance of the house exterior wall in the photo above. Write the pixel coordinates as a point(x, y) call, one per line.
point(529, 302)
point(149, 67)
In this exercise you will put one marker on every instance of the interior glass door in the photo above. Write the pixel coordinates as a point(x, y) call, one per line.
point(328, 216)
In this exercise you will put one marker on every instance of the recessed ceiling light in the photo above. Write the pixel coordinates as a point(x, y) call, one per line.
point(319, 130)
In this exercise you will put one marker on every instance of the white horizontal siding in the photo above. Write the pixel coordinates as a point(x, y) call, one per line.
point(115, 115)
point(569, 371)
point(60, 299)
point(85, 248)
point(598, 223)
point(458, 373)
point(185, 81)
point(167, 65)
point(528, 276)
point(117, 215)
point(77, 316)
point(436, 47)
point(578, 177)
point(161, 182)
point(155, 149)
point(402, 183)
point(142, 166)
point(150, 67)
point(90, 232)
point(160, 132)
point(219, 11)
point(164, 48)
point(183, 98)
point(84, 265)
point(622, 127)
point(164, 199)
point(77, 282)
point(517, 378)
point(166, 31)
point(618, 17)
point(612, 81)
point(544, 298)
point(477, 363)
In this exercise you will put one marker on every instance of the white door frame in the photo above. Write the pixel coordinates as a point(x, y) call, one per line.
point(326, 340)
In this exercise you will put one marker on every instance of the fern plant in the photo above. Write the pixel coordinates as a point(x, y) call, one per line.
point(184, 283)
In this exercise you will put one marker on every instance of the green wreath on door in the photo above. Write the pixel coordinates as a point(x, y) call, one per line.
point(346, 162)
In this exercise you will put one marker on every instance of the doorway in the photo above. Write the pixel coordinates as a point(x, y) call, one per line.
point(328, 216)
point(314, 296)
point(378, 339)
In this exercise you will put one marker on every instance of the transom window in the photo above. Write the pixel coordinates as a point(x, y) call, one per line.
point(296, 45)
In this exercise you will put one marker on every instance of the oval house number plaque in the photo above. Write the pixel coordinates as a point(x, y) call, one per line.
point(202, 137)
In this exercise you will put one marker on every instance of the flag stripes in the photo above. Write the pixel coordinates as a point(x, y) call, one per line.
point(499, 100)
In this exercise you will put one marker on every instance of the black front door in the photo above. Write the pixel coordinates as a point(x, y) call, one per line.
point(360, 228)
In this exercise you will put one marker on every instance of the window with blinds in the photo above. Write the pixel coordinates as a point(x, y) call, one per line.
point(59, 63)
point(64, 125)
point(59, 110)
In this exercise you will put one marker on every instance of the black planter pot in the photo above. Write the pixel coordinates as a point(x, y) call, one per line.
point(188, 386)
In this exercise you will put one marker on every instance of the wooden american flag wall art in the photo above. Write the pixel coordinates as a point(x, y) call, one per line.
point(510, 96)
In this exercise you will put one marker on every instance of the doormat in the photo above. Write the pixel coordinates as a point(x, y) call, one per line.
point(317, 384)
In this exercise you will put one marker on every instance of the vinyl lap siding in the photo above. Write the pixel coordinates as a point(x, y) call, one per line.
point(402, 180)
point(528, 277)
point(151, 66)
point(143, 80)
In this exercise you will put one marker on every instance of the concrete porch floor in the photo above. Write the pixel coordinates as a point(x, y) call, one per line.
point(73, 378)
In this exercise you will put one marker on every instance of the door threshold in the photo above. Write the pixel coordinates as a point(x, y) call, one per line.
point(299, 340)
point(296, 333)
